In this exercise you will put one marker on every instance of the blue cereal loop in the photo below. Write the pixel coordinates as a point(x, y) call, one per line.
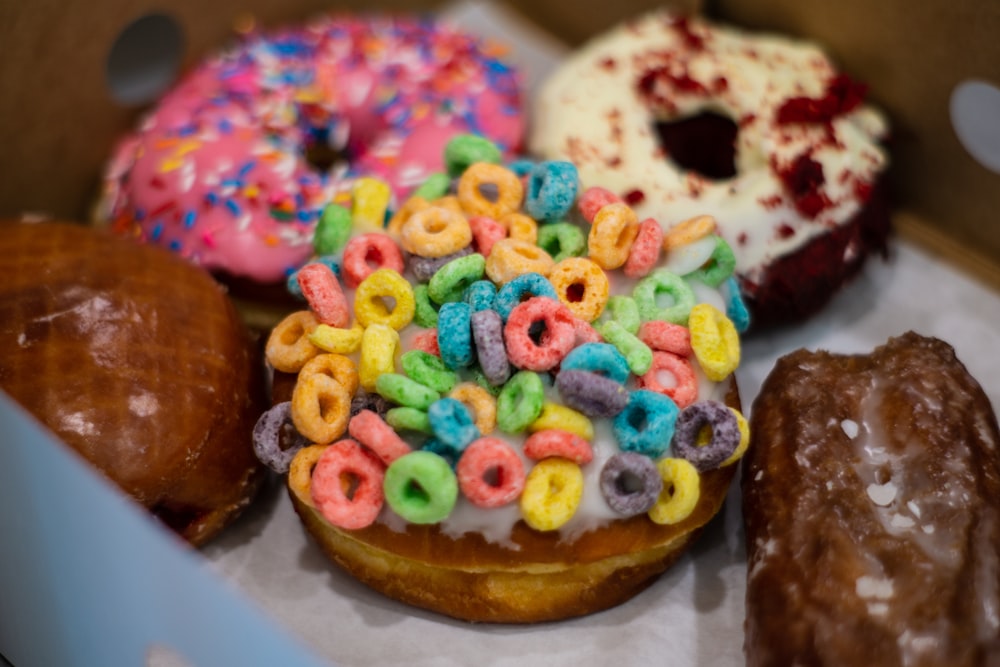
point(452, 423)
point(646, 425)
point(736, 309)
point(521, 167)
point(551, 190)
point(455, 334)
point(480, 295)
point(601, 358)
point(515, 291)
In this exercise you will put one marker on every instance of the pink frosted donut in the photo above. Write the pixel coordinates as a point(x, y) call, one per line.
point(225, 171)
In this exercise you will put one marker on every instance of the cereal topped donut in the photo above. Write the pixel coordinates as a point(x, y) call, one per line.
point(235, 165)
point(681, 117)
point(518, 408)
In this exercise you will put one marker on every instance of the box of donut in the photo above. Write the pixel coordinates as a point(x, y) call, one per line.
point(503, 333)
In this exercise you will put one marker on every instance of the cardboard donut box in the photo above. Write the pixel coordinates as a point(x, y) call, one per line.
point(85, 578)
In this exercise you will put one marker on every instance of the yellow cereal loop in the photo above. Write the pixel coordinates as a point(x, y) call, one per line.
point(335, 366)
point(379, 344)
point(321, 407)
point(521, 227)
point(288, 347)
point(744, 440)
point(384, 297)
point(480, 402)
point(435, 231)
point(409, 207)
point(688, 231)
point(558, 416)
point(715, 342)
point(681, 490)
point(510, 258)
point(489, 189)
point(301, 468)
point(335, 340)
point(552, 493)
point(582, 286)
point(611, 235)
point(370, 199)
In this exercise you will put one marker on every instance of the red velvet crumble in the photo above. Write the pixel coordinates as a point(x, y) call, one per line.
point(842, 95)
point(683, 27)
point(634, 197)
point(803, 179)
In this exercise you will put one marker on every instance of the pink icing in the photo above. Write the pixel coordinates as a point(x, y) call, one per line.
point(218, 170)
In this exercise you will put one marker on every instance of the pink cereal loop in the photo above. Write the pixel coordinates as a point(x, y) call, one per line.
point(593, 200)
point(322, 290)
point(556, 341)
point(666, 337)
point(488, 458)
point(371, 431)
point(646, 248)
point(485, 232)
point(684, 392)
point(427, 341)
point(556, 442)
point(688, 231)
point(367, 253)
point(341, 461)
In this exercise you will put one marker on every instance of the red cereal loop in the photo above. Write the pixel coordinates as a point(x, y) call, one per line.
point(645, 252)
point(684, 391)
point(593, 200)
point(326, 299)
point(556, 442)
point(347, 485)
point(366, 253)
point(554, 342)
point(485, 232)
point(666, 337)
point(427, 341)
point(490, 473)
point(371, 431)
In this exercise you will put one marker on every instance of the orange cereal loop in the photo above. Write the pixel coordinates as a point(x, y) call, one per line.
point(288, 347)
point(481, 404)
point(688, 231)
point(321, 407)
point(521, 227)
point(409, 207)
point(509, 258)
point(335, 366)
point(611, 235)
point(582, 285)
point(300, 471)
point(475, 185)
point(449, 202)
point(435, 231)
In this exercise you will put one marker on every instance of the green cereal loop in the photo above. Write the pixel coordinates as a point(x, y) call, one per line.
point(435, 187)
point(332, 230)
point(450, 281)
point(429, 370)
point(520, 402)
point(562, 240)
point(467, 149)
point(663, 282)
point(637, 354)
point(409, 419)
point(421, 487)
point(425, 312)
point(719, 266)
point(623, 310)
point(405, 391)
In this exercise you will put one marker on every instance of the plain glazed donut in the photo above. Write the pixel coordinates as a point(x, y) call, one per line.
point(807, 154)
point(223, 171)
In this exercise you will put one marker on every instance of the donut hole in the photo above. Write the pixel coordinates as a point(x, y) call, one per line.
point(324, 150)
point(704, 143)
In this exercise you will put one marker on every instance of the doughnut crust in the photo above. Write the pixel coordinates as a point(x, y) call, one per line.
point(138, 361)
point(545, 579)
point(872, 507)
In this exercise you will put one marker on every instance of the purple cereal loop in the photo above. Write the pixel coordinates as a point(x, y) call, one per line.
point(271, 428)
point(374, 402)
point(725, 434)
point(592, 394)
point(630, 483)
point(424, 268)
point(487, 334)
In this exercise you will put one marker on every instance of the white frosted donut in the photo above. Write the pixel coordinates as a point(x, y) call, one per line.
point(807, 152)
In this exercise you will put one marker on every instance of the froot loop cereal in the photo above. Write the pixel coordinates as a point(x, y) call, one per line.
point(540, 353)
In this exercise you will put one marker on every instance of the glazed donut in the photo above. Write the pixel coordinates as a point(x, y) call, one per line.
point(139, 362)
point(517, 469)
point(235, 165)
point(680, 117)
